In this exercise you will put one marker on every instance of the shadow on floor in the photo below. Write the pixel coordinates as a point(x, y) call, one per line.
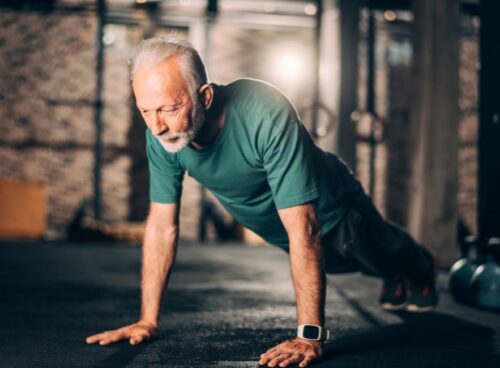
point(122, 357)
point(430, 339)
point(420, 340)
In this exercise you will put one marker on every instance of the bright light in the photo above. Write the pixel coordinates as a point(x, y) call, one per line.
point(287, 66)
point(390, 16)
point(310, 9)
point(291, 64)
point(109, 38)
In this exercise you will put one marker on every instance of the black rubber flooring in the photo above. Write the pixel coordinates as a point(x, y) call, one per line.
point(226, 304)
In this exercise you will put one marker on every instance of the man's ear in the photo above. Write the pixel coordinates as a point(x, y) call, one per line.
point(207, 95)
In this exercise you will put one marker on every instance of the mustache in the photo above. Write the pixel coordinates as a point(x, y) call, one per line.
point(169, 136)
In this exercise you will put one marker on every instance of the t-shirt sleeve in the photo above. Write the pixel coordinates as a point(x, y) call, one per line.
point(165, 173)
point(287, 159)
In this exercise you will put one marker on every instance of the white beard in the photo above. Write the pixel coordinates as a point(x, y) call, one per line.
point(183, 139)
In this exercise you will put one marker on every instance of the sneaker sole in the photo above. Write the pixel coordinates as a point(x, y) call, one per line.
point(416, 309)
point(392, 307)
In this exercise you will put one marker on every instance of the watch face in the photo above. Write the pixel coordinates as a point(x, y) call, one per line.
point(311, 332)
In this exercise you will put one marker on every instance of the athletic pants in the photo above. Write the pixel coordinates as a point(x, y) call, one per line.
point(364, 241)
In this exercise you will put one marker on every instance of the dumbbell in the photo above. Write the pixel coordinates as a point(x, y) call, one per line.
point(461, 273)
point(485, 282)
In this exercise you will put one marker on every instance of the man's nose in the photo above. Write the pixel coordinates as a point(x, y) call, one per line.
point(158, 126)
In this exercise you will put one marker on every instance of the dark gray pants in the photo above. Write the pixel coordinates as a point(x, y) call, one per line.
point(364, 241)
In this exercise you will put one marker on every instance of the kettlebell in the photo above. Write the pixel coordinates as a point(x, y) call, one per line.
point(461, 273)
point(485, 282)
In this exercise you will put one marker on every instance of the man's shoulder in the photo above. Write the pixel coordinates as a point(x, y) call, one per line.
point(255, 95)
point(250, 84)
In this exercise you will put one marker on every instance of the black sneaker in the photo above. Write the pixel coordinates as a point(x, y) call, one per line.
point(393, 295)
point(422, 296)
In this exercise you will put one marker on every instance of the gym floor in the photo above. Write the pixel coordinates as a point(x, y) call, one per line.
point(226, 304)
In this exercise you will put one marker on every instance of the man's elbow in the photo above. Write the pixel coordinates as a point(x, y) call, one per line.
point(309, 236)
point(309, 230)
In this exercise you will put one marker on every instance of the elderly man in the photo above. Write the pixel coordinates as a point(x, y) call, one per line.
point(245, 143)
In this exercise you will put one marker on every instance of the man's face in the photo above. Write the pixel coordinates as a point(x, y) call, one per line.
point(162, 95)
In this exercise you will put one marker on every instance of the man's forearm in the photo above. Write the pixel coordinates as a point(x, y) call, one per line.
point(308, 275)
point(159, 252)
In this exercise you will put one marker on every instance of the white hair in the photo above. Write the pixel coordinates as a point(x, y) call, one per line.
point(153, 51)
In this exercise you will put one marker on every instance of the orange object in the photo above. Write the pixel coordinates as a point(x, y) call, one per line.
point(22, 209)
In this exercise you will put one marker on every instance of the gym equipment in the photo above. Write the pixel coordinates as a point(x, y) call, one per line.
point(462, 271)
point(485, 282)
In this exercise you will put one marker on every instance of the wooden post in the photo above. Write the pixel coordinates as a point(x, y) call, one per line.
point(434, 123)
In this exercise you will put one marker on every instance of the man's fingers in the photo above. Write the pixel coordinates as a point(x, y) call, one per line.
point(266, 357)
point(272, 350)
point(278, 359)
point(115, 337)
point(107, 337)
point(91, 339)
point(140, 336)
point(135, 333)
point(95, 338)
point(292, 360)
point(306, 361)
point(290, 353)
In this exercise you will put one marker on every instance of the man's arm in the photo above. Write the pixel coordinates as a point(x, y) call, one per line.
point(159, 250)
point(306, 263)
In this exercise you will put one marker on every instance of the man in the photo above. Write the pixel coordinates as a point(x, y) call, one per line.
point(245, 143)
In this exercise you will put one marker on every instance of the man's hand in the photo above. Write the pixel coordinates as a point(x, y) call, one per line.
point(135, 333)
point(296, 351)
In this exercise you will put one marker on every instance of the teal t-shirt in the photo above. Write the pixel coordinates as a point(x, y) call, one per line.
point(262, 160)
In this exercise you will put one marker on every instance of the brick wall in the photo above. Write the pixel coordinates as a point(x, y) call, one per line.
point(47, 95)
point(467, 153)
point(46, 114)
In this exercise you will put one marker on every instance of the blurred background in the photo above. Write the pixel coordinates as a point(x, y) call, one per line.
point(392, 86)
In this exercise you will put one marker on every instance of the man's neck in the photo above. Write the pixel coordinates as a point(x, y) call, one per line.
point(214, 122)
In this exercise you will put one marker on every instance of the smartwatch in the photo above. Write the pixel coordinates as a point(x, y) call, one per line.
point(313, 332)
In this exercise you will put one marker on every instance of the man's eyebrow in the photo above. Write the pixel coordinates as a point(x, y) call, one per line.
point(174, 105)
